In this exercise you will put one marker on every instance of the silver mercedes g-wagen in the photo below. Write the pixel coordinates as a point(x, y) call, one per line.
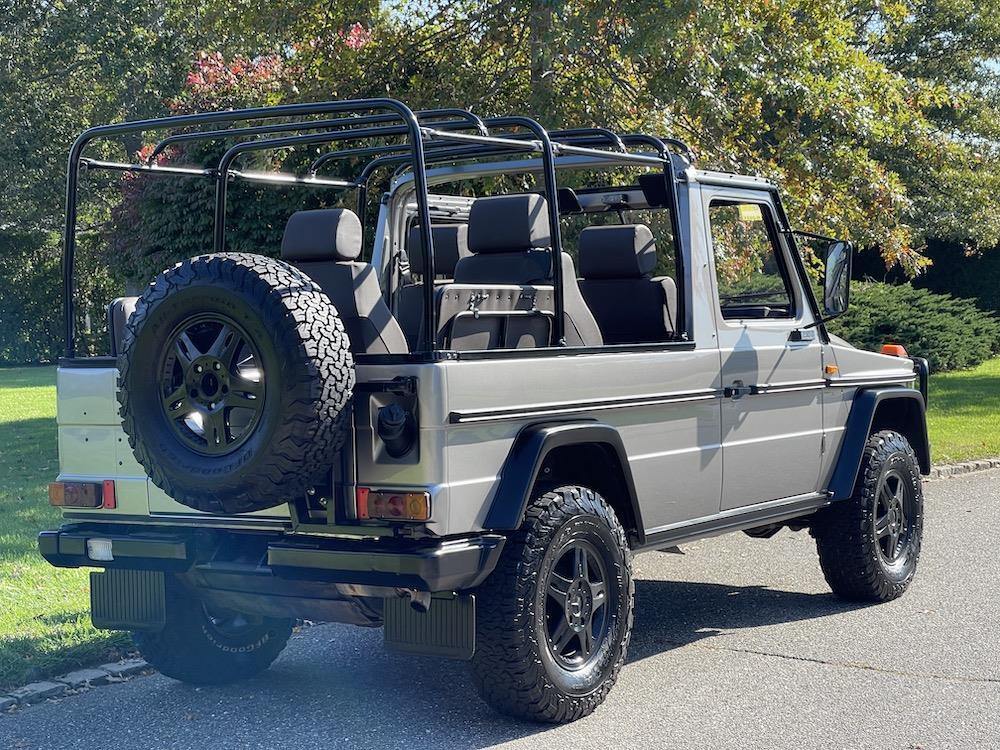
point(457, 411)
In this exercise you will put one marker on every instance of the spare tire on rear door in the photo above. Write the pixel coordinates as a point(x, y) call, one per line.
point(234, 378)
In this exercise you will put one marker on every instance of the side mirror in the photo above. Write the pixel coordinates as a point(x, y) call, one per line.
point(837, 278)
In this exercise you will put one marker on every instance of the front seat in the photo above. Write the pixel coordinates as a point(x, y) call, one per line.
point(325, 244)
point(617, 264)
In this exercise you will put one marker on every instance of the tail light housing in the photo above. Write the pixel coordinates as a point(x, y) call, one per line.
point(393, 505)
point(83, 494)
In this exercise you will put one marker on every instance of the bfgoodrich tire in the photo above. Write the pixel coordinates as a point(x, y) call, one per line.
point(205, 646)
point(234, 378)
point(869, 545)
point(555, 617)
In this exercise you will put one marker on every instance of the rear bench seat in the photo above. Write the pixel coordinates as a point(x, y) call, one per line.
point(325, 244)
point(502, 296)
point(631, 307)
point(450, 244)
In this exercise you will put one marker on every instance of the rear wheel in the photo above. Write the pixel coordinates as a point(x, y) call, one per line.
point(554, 619)
point(205, 645)
point(869, 545)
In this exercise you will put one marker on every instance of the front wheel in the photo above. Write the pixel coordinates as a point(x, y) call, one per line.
point(869, 545)
point(555, 617)
point(204, 645)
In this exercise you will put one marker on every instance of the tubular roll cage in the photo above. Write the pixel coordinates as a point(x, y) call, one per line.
point(432, 136)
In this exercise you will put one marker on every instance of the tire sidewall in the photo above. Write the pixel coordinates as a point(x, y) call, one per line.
point(589, 678)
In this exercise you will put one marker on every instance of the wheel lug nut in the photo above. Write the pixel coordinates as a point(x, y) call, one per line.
point(197, 368)
point(217, 366)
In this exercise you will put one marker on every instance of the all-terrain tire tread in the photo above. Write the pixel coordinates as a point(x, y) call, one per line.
point(506, 669)
point(185, 650)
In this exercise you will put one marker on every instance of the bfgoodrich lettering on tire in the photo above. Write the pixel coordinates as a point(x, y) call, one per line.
point(234, 378)
point(555, 617)
point(869, 545)
point(202, 645)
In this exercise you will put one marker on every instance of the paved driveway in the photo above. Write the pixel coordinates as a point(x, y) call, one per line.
point(737, 644)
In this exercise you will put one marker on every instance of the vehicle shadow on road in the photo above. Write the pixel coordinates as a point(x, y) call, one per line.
point(671, 614)
point(359, 696)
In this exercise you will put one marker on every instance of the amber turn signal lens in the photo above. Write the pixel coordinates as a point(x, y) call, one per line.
point(831, 370)
point(894, 350)
point(387, 505)
point(76, 494)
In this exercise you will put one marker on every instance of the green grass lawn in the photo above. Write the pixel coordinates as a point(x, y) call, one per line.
point(44, 612)
point(964, 413)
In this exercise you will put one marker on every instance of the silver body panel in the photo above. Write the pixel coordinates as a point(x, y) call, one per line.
point(695, 454)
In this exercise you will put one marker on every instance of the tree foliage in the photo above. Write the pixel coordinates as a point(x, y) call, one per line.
point(881, 119)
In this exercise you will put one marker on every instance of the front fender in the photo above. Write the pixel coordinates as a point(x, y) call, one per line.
point(898, 408)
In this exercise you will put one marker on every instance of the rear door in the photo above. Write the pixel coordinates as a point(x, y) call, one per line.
point(771, 366)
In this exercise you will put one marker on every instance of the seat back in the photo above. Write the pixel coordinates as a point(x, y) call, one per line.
point(502, 296)
point(450, 244)
point(325, 245)
point(630, 306)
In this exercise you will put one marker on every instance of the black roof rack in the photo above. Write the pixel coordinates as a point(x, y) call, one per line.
point(429, 136)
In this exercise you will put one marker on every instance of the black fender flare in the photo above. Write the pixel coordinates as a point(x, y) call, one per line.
point(859, 427)
point(527, 456)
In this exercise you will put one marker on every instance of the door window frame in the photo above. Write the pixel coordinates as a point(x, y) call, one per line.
point(782, 250)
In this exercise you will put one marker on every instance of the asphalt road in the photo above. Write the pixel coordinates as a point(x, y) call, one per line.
point(737, 644)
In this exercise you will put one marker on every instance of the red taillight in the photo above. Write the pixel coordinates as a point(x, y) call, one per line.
point(389, 505)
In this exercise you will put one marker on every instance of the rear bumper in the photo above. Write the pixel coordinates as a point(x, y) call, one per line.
point(426, 565)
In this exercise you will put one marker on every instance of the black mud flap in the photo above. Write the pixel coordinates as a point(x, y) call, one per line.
point(128, 600)
point(447, 628)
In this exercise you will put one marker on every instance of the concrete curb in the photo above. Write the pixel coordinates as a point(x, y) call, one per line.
point(84, 679)
point(72, 683)
point(967, 467)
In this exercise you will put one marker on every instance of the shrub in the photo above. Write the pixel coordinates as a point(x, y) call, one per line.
point(951, 332)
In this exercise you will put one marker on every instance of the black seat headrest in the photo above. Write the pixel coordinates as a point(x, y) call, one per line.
point(509, 224)
point(331, 234)
point(617, 251)
point(451, 242)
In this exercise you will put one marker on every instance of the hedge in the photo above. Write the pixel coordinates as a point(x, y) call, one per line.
point(951, 332)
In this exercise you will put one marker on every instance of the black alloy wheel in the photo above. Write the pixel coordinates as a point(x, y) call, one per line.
point(553, 620)
point(235, 376)
point(213, 386)
point(869, 544)
point(893, 516)
point(576, 618)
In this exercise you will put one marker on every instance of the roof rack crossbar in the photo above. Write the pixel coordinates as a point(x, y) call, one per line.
point(589, 134)
point(467, 119)
point(264, 177)
point(339, 154)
